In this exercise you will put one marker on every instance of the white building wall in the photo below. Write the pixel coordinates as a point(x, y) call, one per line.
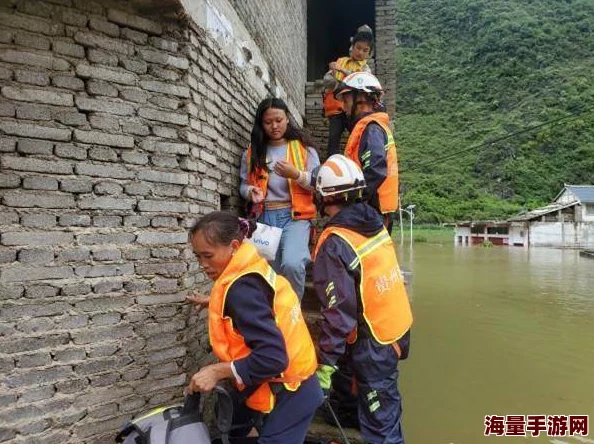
point(462, 236)
point(518, 234)
point(557, 234)
point(588, 212)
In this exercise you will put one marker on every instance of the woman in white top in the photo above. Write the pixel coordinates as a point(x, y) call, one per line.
point(275, 181)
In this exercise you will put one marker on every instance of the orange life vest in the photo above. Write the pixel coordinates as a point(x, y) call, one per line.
point(388, 190)
point(302, 204)
point(331, 105)
point(229, 345)
point(385, 304)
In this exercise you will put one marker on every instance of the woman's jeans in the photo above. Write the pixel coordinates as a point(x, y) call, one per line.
point(293, 251)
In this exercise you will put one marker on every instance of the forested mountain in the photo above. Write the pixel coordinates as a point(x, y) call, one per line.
point(519, 73)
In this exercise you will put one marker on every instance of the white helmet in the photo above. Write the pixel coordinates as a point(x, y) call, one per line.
point(337, 175)
point(359, 81)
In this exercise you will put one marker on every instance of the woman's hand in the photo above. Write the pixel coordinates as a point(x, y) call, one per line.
point(286, 170)
point(256, 194)
point(199, 300)
point(207, 377)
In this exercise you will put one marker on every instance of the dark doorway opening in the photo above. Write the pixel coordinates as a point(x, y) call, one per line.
point(330, 24)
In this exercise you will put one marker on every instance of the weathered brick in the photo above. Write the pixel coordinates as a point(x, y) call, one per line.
point(74, 255)
point(106, 254)
point(36, 256)
point(39, 359)
point(40, 183)
point(69, 355)
point(134, 158)
point(38, 220)
point(31, 40)
point(107, 319)
point(164, 253)
point(102, 57)
point(107, 222)
point(33, 146)
point(165, 88)
point(169, 162)
point(17, 274)
point(33, 59)
point(31, 77)
point(164, 73)
point(164, 222)
point(76, 220)
point(36, 238)
point(78, 289)
point(38, 95)
point(97, 88)
point(68, 82)
point(104, 105)
point(68, 48)
point(166, 269)
point(135, 36)
point(70, 17)
point(37, 377)
point(38, 165)
point(158, 176)
point(71, 118)
point(11, 292)
point(96, 335)
point(35, 131)
point(20, 345)
point(104, 170)
point(41, 291)
point(134, 22)
point(164, 58)
point(163, 206)
point(100, 138)
point(163, 116)
point(90, 271)
point(106, 203)
point(134, 95)
point(9, 181)
point(72, 386)
point(105, 122)
point(30, 111)
point(7, 145)
point(165, 285)
point(32, 24)
point(156, 237)
point(136, 221)
point(103, 154)
point(36, 325)
point(137, 189)
point(39, 199)
point(71, 151)
point(165, 132)
point(108, 74)
point(7, 255)
point(137, 66)
point(165, 147)
point(133, 127)
point(100, 239)
point(105, 27)
point(94, 40)
point(7, 109)
point(71, 322)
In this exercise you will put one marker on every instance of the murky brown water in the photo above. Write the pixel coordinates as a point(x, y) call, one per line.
point(506, 331)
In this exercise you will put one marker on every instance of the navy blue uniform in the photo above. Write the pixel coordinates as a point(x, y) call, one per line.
point(249, 304)
point(374, 366)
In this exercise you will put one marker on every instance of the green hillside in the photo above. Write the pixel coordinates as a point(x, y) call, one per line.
point(475, 71)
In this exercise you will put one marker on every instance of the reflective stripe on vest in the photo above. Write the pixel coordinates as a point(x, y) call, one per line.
point(386, 308)
point(229, 345)
point(388, 190)
point(302, 205)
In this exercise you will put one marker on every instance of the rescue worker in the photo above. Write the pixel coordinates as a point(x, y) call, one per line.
point(361, 46)
point(366, 315)
point(275, 178)
point(257, 331)
point(371, 143)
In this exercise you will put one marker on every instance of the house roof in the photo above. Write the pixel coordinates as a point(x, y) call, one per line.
point(539, 212)
point(583, 193)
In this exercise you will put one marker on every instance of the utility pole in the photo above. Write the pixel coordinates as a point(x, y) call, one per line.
point(400, 213)
point(409, 209)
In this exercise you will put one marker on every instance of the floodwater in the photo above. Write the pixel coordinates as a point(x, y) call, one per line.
point(498, 331)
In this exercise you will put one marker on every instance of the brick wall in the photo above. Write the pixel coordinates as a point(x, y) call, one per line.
point(116, 130)
point(279, 28)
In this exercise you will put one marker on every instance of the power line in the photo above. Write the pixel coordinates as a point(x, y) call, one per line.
point(571, 117)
